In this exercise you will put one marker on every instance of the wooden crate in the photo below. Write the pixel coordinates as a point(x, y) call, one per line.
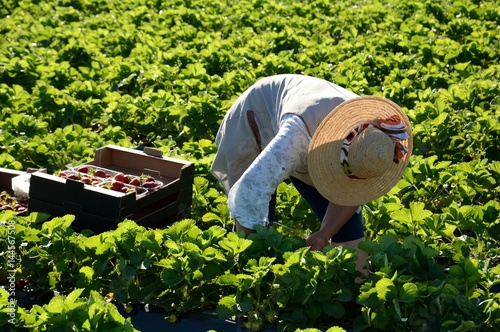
point(102, 209)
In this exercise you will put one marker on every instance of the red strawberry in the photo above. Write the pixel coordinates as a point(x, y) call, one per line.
point(121, 178)
point(21, 209)
point(135, 181)
point(149, 179)
point(63, 175)
point(73, 177)
point(83, 169)
point(86, 179)
point(117, 185)
point(151, 184)
point(20, 284)
point(100, 173)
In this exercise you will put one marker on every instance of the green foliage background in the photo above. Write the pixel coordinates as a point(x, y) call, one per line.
point(77, 75)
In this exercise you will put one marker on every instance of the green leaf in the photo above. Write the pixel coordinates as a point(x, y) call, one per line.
point(434, 287)
point(228, 280)
point(369, 247)
point(136, 258)
point(55, 306)
point(86, 274)
point(466, 306)
point(408, 293)
point(449, 292)
point(495, 166)
point(471, 267)
point(212, 270)
point(345, 294)
point(226, 307)
point(211, 217)
point(177, 231)
point(172, 274)
point(73, 296)
point(418, 212)
point(212, 253)
point(334, 309)
point(368, 297)
point(234, 243)
point(245, 303)
point(174, 248)
point(415, 213)
point(128, 272)
point(335, 329)
point(213, 234)
point(386, 290)
point(59, 222)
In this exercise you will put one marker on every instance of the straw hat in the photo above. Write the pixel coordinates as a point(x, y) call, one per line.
point(360, 150)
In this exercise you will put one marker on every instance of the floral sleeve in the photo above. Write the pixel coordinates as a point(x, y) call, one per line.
point(248, 199)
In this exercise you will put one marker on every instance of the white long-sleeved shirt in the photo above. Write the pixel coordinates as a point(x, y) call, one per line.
point(248, 199)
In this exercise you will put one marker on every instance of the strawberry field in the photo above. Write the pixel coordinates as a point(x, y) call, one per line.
point(79, 75)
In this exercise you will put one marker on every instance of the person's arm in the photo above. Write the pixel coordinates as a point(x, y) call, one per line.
point(248, 199)
point(335, 217)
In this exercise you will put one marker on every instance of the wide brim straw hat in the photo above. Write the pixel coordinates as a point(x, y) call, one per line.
point(369, 168)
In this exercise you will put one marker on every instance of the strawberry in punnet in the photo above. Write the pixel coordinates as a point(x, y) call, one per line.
point(100, 173)
point(86, 179)
point(83, 169)
point(126, 190)
point(117, 185)
point(135, 181)
point(63, 175)
point(8, 202)
point(151, 184)
point(120, 177)
point(6, 207)
point(73, 177)
point(149, 178)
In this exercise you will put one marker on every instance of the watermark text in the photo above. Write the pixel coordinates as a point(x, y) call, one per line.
point(11, 270)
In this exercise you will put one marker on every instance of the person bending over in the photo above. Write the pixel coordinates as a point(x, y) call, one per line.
point(339, 150)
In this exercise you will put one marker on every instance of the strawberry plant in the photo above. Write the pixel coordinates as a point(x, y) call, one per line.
point(409, 279)
point(71, 311)
point(292, 287)
point(76, 76)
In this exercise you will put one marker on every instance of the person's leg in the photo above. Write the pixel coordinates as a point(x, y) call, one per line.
point(349, 236)
point(318, 203)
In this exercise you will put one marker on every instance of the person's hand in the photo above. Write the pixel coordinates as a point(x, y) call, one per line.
point(317, 241)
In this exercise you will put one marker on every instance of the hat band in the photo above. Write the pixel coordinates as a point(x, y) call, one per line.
point(392, 126)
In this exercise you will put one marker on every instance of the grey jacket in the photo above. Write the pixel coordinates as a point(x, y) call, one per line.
point(253, 120)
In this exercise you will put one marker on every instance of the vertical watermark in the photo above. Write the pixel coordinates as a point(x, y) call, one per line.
point(11, 270)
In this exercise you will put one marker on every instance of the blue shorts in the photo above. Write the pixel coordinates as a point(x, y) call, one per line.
point(352, 230)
